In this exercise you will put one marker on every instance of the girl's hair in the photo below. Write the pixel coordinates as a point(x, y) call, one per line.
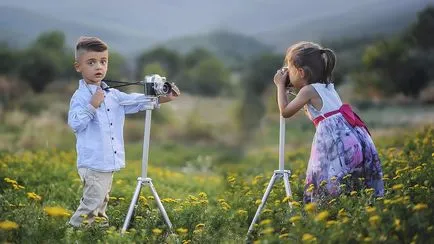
point(317, 62)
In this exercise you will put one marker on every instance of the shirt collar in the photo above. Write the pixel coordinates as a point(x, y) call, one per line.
point(83, 85)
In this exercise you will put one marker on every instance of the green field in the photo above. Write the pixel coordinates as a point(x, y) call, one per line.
point(211, 197)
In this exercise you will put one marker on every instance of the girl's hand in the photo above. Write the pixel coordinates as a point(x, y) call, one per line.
point(281, 76)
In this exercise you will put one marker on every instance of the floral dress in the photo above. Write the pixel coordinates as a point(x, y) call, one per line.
point(342, 156)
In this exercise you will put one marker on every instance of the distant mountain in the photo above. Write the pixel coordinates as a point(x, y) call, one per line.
point(359, 22)
point(19, 27)
point(132, 25)
point(228, 46)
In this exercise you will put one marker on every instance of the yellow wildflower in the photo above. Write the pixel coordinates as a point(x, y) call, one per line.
point(308, 237)
point(294, 219)
point(34, 196)
point(330, 223)
point(370, 210)
point(241, 212)
point(265, 222)
point(182, 231)
point(397, 224)
point(310, 207)
point(200, 226)
point(322, 216)
point(420, 206)
point(268, 231)
point(332, 201)
point(310, 188)
point(157, 231)
point(397, 187)
point(8, 225)
point(283, 236)
point(186, 241)
point(353, 193)
point(374, 220)
point(57, 212)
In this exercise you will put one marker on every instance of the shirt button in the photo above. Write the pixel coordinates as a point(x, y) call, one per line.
point(113, 138)
point(111, 123)
point(108, 109)
point(115, 152)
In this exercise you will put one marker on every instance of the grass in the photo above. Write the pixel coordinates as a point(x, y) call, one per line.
point(40, 189)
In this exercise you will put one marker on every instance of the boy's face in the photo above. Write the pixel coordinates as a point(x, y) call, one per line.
point(92, 65)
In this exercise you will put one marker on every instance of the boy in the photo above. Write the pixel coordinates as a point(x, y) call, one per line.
point(97, 118)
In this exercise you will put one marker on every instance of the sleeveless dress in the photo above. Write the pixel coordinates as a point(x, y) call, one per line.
point(342, 157)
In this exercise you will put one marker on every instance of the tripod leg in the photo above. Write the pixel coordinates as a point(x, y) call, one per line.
point(160, 206)
point(287, 186)
point(264, 199)
point(132, 206)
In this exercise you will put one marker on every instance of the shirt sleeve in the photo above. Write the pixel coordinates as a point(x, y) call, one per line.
point(80, 114)
point(135, 102)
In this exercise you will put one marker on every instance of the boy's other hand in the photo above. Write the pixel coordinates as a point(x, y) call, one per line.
point(97, 98)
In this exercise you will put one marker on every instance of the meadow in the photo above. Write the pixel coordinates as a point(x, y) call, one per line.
point(211, 192)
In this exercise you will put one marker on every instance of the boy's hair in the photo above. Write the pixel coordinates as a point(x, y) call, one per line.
point(87, 43)
point(317, 62)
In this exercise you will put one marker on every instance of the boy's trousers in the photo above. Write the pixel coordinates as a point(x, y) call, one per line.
point(96, 189)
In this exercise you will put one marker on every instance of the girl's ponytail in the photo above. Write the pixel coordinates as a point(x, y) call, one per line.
point(329, 58)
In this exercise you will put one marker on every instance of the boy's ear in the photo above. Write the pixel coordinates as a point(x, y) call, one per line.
point(77, 66)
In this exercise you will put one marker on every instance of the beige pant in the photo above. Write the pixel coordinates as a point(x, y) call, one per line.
point(96, 189)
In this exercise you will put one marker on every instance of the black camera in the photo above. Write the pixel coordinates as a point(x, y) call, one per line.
point(156, 86)
point(287, 80)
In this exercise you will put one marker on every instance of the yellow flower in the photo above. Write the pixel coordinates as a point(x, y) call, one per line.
point(57, 212)
point(310, 188)
point(286, 199)
point(330, 223)
point(370, 210)
point(294, 219)
point(283, 236)
point(295, 204)
point(367, 239)
point(323, 183)
point(332, 201)
point(342, 213)
point(397, 187)
point(182, 231)
point(34, 196)
point(8, 225)
point(353, 193)
point(420, 206)
point(200, 226)
point(268, 231)
point(186, 241)
point(157, 231)
point(258, 201)
point(397, 224)
point(310, 207)
point(308, 237)
point(241, 212)
point(374, 220)
point(202, 195)
point(322, 216)
point(9, 180)
point(369, 190)
point(265, 222)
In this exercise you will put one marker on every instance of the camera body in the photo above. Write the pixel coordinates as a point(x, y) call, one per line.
point(155, 86)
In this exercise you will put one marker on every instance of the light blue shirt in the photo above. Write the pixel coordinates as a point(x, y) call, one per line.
point(99, 132)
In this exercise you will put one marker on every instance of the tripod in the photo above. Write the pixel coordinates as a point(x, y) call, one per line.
point(280, 173)
point(144, 179)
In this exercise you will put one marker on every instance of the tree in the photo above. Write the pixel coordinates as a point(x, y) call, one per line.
point(116, 70)
point(208, 78)
point(8, 59)
point(169, 61)
point(39, 67)
point(400, 68)
point(195, 56)
point(422, 30)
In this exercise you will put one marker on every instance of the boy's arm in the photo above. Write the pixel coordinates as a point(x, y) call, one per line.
point(134, 102)
point(80, 114)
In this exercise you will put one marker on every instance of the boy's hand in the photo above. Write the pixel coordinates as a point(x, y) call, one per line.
point(97, 98)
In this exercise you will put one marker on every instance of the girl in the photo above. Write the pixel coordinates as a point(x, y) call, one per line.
point(342, 147)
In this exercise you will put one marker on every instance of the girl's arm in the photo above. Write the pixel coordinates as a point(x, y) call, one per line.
point(288, 109)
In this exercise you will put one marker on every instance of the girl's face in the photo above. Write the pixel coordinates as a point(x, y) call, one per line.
point(296, 76)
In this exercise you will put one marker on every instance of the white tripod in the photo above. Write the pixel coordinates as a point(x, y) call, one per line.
point(280, 173)
point(143, 179)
